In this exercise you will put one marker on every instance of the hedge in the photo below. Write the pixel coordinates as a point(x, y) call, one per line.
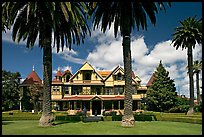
point(19, 116)
point(69, 118)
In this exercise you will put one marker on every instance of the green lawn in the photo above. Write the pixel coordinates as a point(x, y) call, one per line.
point(28, 127)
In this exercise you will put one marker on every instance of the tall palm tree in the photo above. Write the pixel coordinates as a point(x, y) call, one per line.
point(197, 67)
point(126, 15)
point(67, 20)
point(185, 37)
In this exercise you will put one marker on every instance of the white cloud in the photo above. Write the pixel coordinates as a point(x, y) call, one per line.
point(69, 55)
point(108, 54)
point(8, 38)
point(62, 69)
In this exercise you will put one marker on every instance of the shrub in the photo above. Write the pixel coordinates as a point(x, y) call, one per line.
point(179, 109)
point(144, 117)
point(69, 118)
point(197, 108)
point(109, 113)
point(79, 113)
point(107, 118)
point(117, 118)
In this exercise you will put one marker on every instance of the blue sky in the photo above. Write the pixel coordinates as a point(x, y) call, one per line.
point(104, 51)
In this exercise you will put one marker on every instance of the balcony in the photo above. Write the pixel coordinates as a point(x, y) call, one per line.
point(86, 81)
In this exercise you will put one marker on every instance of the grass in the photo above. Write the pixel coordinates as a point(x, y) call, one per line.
point(30, 127)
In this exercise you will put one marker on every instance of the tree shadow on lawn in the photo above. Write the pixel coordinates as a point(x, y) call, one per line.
point(63, 122)
point(7, 122)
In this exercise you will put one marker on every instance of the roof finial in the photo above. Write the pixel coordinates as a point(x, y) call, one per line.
point(33, 68)
point(58, 68)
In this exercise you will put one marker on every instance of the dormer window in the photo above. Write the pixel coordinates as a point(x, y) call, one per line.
point(67, 78)
point(120, 77)
point(87, 76)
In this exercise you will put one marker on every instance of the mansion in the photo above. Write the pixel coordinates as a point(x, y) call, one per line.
point(95, 90)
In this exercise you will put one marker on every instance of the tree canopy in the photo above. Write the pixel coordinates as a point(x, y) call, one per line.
point(10, 90)
point(161, 95)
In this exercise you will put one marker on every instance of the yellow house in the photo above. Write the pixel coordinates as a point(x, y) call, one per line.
point(96, 90)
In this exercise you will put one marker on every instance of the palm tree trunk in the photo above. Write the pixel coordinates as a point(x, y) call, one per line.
point(46, 117)
point(198, 88)
point(128, 118)
point(190, 70)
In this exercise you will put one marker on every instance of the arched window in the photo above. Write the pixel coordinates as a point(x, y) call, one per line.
point(87, 76)
point(119, 76)
point(67, 78)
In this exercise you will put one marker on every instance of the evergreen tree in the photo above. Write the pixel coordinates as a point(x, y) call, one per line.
point(10, 90)
point(161, 95)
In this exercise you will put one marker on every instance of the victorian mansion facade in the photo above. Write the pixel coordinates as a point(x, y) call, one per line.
point(88, 88)
point(93, 89)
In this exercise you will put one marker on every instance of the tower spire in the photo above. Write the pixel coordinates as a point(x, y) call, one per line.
point(33, 68)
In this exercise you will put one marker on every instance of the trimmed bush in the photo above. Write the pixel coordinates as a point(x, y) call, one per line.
point(117, 118)
point(107, 118)
point(19, 116)
point(179, 117)
point(144, 117)
point(68, 118)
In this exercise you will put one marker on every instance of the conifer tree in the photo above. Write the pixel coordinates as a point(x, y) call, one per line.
point(161, 95)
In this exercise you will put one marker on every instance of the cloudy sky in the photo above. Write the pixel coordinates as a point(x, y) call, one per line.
point(104, 51)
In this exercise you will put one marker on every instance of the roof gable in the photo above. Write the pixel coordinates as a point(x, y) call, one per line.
point(86, 66)
point(117, 70)
point(32, 78)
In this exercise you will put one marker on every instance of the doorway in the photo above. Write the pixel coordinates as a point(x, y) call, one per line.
point(96, 107)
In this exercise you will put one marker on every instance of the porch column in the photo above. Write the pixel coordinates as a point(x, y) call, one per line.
point(138, 105)
point(74, 105)
point(101, 106)
point(112, 104)
point(81, 105)
point(20, 106)
point(70, 105)
point(119, 104)
point(90, 107)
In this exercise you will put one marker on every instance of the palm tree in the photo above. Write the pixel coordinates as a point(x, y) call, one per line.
point(126, 15)
point(67, 20)
point(185, 37)
point(197, 67)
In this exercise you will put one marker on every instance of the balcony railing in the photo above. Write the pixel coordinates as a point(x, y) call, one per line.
point(86, 81)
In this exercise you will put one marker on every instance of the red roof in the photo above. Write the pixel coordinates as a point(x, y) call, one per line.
point(32, 78)
point(58, 73)
point(56, 81)
point(66, 71)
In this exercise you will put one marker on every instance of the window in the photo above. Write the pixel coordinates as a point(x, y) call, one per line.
point(66, 90)
point(119, 76)
point(67, 78)
point(76, 90)
point(87, 76)
point(118, 90)
point(56, 89)
point(108, 91)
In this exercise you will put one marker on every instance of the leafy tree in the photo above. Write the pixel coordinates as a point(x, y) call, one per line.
point(186, 36)
point(66, 20)
point(161, 95)
point(35, 93)
point(10, 90)
point(197, 67)
point(125, 15)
